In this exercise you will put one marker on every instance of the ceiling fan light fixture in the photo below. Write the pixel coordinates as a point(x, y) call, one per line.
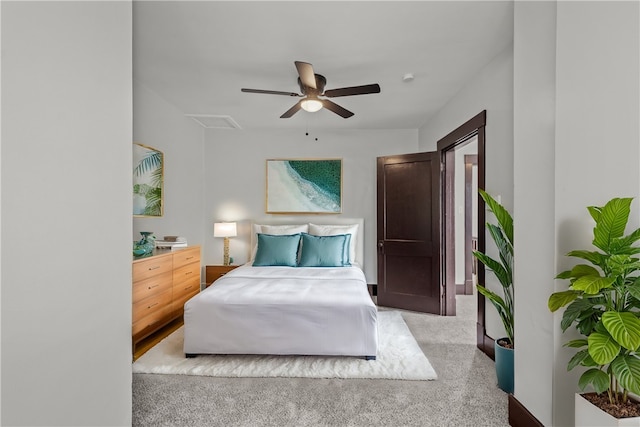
point(311, 105)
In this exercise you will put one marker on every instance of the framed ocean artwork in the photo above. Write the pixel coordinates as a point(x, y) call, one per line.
point(148, 180)
point(304, 186)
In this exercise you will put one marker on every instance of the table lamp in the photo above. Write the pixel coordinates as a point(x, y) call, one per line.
point(226, 230)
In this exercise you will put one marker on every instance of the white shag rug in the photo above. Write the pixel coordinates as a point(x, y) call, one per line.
point(399, 357)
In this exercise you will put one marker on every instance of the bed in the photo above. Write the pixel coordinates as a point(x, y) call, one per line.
point(314, 304)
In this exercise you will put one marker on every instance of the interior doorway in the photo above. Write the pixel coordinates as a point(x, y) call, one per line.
point(401, 246)
point(459, 210)
point(462, 207)
point(463, 215)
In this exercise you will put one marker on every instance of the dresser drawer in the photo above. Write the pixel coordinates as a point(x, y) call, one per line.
point(152, 322)
point(152, 286)
point(150, 305)
point(182, 257)
point(187, 293)
point(186, 272)
point(143, 269)
point(189, 286)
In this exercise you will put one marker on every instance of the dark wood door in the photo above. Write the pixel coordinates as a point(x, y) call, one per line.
point(409, 232)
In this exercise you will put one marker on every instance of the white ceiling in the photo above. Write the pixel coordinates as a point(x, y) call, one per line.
point(199, 54)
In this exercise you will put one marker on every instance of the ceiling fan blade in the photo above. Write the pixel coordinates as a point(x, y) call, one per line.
point(291, 111)
point(307, 76)
point(270, 92)
point(332, 106)
point(353, 90)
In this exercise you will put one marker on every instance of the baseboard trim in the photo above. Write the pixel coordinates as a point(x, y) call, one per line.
point(519, 416)
point(484, 342)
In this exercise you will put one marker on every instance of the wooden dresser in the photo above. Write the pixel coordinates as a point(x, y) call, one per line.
point(162, 283)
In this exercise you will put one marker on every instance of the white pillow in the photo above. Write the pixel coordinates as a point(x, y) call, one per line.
point(276, 230)
point(279, 230)
point(332, 230)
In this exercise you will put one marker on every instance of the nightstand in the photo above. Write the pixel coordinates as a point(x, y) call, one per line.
point(214, 272)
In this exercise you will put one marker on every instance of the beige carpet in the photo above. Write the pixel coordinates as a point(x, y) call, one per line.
point(399, 357)
point(464, 395)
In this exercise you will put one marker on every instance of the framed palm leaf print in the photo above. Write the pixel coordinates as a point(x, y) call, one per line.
point(148, 180)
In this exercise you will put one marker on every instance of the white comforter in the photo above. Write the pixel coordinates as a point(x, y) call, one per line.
point(283, 310)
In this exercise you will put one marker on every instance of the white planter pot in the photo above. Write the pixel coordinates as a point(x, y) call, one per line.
point(589, 415)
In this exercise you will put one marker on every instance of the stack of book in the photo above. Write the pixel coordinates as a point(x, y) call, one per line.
point(171, 242)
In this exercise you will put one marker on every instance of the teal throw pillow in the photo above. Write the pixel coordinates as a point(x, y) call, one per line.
point(277, 250)
point(347, 245)
point(323, 251)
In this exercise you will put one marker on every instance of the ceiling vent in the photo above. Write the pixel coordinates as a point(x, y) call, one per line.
point(212, 121)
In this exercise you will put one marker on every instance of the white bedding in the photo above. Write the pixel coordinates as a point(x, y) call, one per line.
point(283, 310)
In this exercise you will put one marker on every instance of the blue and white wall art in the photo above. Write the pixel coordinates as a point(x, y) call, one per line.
point(304, 186)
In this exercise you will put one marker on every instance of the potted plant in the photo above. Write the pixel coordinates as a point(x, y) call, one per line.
point(502, 235)
point(603, 304)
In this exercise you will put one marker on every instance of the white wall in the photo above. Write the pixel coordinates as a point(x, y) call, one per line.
point(597, 119)
point(66, 213)
point(160, 125)
point(491, 90)
point(236, 169)
point(577, 104)
point(534, 199)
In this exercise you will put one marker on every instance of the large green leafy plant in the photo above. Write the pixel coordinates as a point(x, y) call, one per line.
point(502, 235)
point(603, 302)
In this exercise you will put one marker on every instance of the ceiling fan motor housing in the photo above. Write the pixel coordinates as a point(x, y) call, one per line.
point(321, 81)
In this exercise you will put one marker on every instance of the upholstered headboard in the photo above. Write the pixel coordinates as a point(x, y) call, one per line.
point(321, 220)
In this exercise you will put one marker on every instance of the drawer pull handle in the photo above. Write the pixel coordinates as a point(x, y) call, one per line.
point(188, 287)
point(154, 286)
point(188, 258)
point(153, 305)
point(154, 268)
point(189, 272)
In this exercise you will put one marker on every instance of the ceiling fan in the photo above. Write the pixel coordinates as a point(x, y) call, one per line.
point(312, 87)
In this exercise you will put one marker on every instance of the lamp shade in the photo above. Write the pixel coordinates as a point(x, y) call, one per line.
point(224, 229)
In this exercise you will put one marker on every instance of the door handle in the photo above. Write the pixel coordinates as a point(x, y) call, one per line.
point(380, 245)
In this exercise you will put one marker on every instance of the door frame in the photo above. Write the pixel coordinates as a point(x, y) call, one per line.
point(470, 264)
point(472, 127)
